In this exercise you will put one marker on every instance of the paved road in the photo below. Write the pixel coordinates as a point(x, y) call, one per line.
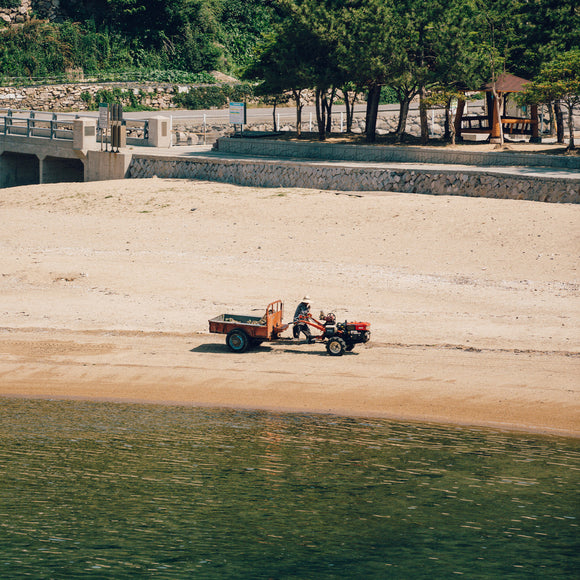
point(254, 114)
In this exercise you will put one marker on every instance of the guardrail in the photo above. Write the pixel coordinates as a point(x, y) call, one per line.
point(31, 126)
point(203, 129)
point(60, 125)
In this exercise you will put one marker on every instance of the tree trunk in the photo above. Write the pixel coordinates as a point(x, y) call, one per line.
point(423, 117)
point(559, 122)
point(349, 109)
point(327, 102)
point(552, 114)
point(403, 114)
point(448, 122)
point(373, 99)
point(496, 135)
point(348, 112)
point(298, 100)
point(571, 145)
point(320, 115)
point(457, 121)
point(449, 135)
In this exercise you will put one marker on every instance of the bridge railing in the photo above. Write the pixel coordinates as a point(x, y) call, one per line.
point(30, 125)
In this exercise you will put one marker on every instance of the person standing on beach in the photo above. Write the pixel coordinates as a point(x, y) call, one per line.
point(303, 309)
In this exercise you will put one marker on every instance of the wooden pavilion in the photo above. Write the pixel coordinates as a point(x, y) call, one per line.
point(497, 120)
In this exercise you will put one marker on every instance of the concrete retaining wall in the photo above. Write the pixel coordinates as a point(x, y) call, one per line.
point(265, 173)
point(390, 154)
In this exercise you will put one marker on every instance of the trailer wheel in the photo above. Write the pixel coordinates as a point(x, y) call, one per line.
point(335, 346)
point(237, 340)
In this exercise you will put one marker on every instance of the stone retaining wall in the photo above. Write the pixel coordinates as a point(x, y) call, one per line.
point(41, 8)
point(264, 173)
point(63, 97)
point(391, 154)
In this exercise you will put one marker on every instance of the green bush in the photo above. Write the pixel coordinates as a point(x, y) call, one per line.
point(216, 96)
point(388, 96)
point(127, 98)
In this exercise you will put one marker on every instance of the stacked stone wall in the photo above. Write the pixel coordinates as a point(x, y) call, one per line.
point(26, 9)
point(72, 97)
point(260, 173)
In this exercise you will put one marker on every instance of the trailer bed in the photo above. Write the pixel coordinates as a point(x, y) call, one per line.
point(243, 330)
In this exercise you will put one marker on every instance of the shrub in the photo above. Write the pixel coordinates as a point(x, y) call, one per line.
point(388, 96)
point(216, 96)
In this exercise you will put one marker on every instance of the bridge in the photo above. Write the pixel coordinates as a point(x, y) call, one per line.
point(38, 147)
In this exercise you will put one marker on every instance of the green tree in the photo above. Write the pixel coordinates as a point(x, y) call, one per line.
point(558, 81)
point(543, 29)
point(366, 52)
point(280, 66)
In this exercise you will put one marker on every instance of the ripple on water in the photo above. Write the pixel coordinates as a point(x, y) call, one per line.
point(129, 490)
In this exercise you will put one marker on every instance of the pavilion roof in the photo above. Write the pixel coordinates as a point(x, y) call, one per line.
point(507, 83)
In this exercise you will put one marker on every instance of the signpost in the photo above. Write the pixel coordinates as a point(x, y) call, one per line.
point(238, 116)
point(103, 122)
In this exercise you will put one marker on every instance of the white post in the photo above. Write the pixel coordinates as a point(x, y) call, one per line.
point(278, 121)
point(204, 128)
point(310, 126)
point(341, 122)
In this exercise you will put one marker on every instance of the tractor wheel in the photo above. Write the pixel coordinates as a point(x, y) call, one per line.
point(237, 340)
point(335, 346)
point(366, 335)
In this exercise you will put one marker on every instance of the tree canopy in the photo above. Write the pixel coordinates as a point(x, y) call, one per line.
point(412, 46)
point(328, 47)
point(558, 81)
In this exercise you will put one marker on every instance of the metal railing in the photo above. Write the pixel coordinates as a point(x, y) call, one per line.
point(30, 125)
point(202, 129)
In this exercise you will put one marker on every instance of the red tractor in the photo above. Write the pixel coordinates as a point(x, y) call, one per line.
point(339, 336)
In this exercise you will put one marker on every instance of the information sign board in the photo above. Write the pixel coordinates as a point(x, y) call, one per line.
point(238, 113)
point(103, 121)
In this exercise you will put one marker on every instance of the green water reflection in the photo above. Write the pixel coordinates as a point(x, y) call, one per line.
point(123, 491)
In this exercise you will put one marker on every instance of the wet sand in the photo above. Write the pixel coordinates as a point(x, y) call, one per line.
point(106, 289)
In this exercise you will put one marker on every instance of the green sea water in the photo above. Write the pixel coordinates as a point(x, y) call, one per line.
point(99, 490)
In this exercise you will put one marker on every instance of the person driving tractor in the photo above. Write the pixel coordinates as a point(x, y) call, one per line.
point(302, 310)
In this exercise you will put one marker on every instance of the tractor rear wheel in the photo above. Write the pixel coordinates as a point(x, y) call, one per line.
point(335, 346)
point(237, 340)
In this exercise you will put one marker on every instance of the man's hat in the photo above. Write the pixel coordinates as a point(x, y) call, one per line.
point(306, 299)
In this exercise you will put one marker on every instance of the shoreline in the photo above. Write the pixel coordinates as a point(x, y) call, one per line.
point(106, 289)
point(198, 370)
point(514, 429)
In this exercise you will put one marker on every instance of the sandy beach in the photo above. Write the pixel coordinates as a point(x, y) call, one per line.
point(106, 289)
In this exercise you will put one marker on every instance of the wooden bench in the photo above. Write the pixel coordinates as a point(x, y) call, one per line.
point(510, 125)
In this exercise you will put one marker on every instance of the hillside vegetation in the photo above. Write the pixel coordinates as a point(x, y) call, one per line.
point(333, 49)
point(125, 38)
